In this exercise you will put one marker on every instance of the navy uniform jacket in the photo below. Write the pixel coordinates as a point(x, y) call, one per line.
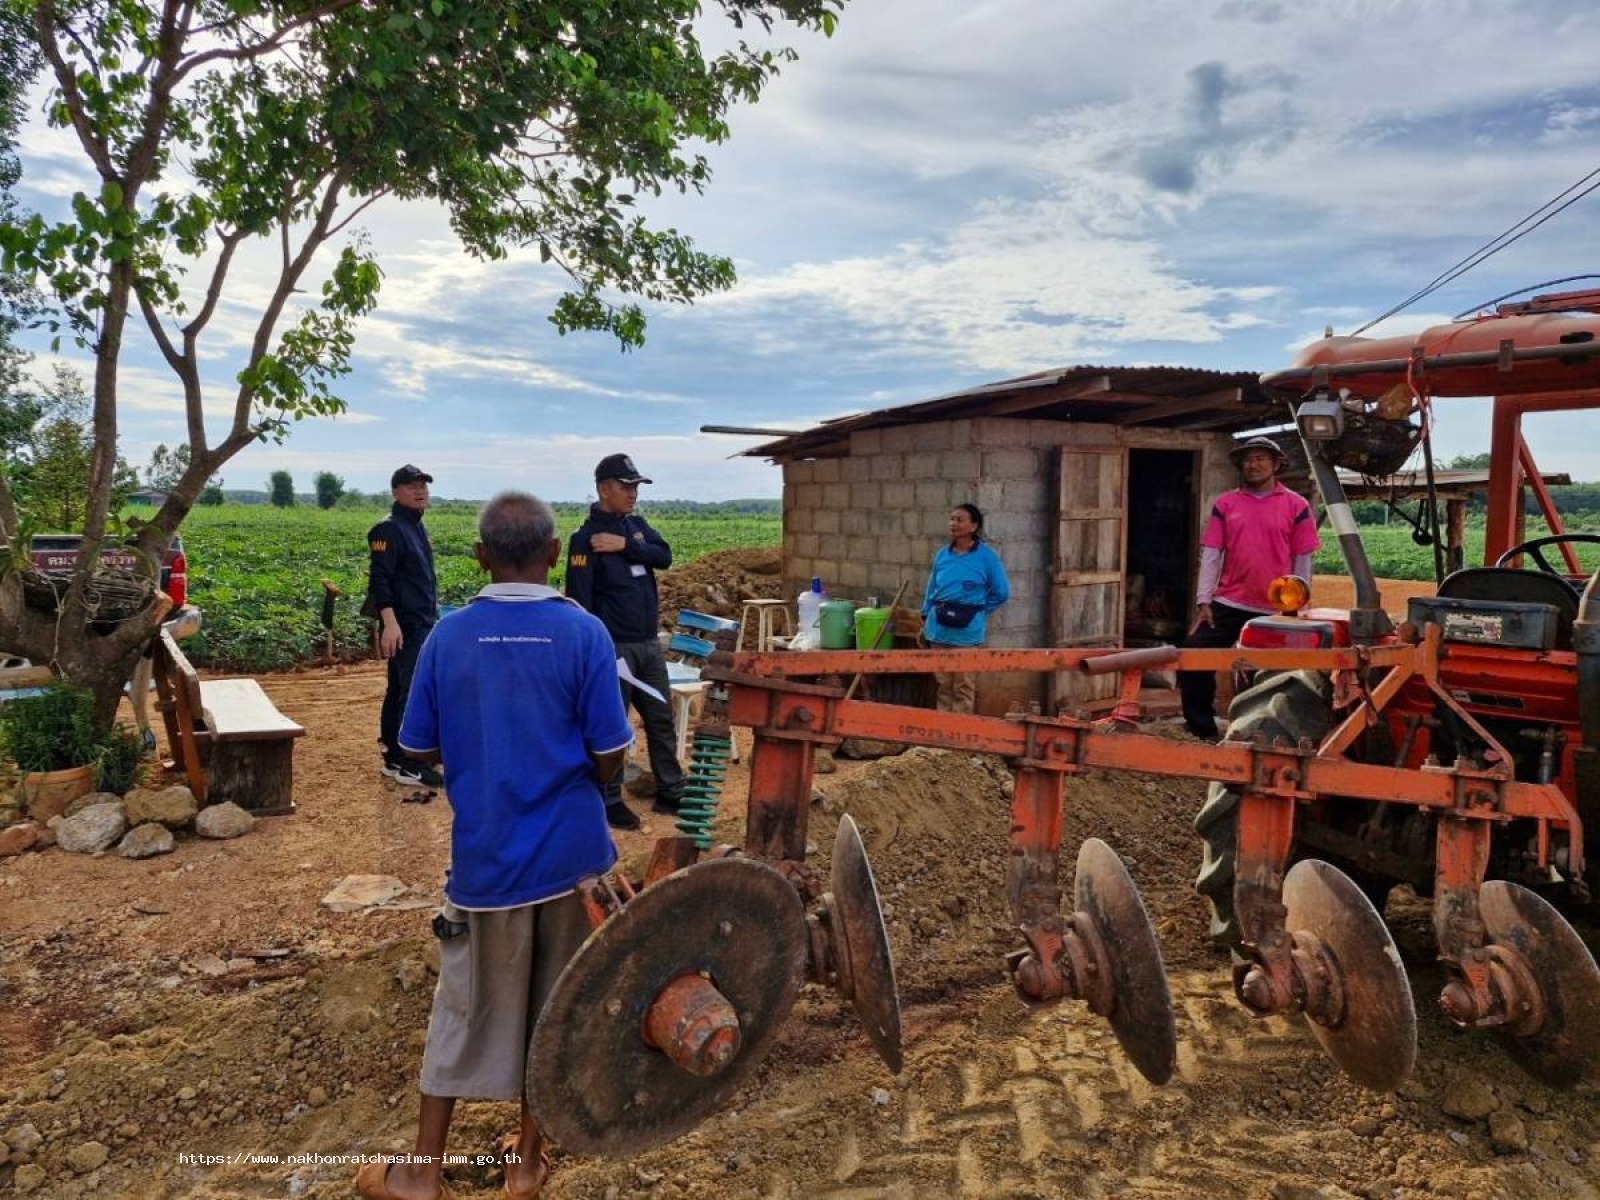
point(620, 587)
point(400, 574)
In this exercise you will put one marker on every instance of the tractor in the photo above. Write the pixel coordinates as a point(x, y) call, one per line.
point(1458, 752)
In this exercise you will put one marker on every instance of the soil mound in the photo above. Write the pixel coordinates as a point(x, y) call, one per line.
point(936, 826)
point(717, 583)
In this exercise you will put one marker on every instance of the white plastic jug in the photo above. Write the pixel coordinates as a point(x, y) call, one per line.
point(809, 605)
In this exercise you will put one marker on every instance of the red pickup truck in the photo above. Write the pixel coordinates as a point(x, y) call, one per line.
point(57, 554)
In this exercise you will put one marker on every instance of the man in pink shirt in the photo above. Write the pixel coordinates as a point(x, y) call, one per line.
point(1255, 533)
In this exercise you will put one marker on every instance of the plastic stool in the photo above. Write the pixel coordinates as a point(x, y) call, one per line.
point(763, 610)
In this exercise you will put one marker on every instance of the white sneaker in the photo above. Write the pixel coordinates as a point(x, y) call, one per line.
point(404, 775)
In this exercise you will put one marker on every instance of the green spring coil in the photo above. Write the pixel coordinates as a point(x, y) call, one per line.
point(702, 786)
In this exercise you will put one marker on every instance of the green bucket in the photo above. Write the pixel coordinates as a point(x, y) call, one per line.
point(871, 631)
point(837, 618)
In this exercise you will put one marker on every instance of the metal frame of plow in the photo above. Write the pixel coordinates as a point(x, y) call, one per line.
point(1491, 985)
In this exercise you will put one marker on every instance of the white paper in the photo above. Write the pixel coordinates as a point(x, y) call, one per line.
point(628, 677)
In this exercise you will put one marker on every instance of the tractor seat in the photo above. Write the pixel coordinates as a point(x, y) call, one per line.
point(1508, 585)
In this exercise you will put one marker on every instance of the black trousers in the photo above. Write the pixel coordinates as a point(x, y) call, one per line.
point(1199, 688)
point(401, 667)
point(649, 665)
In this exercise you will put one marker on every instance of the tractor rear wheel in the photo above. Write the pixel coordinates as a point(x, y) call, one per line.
point(1287, 704)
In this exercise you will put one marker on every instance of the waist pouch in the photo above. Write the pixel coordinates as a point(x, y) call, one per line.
point(953, 614)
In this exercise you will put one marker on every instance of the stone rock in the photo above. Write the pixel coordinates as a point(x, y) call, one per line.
point(146, 841)
point(96, 828)
point(856, 747)
point(23, 1140)
point(641, 786)
point(1365, 1127)
point(226, 820)
point(19, 839)
point(88, 801)
point(173, 807)
point(1468, 1098)
point(355, 892)
point(87, 1157)
point(1507, 1135)
point(317, 1097)
point(29, 1178)
point(825, 763)
point(411, 974)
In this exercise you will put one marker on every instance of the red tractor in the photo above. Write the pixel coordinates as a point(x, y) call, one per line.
point(1458, 752)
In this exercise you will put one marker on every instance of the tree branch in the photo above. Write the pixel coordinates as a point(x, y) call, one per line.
point(45, 26)
point(287, 281)
point(274, 41)
point(365, 204)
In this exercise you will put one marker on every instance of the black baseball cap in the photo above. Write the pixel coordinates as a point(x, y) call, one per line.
point(619, 467)
point(409, 473)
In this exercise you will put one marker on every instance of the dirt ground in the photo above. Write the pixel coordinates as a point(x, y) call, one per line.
point(203, 1003)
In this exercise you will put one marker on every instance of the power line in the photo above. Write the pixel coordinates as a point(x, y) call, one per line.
point(1496, 244)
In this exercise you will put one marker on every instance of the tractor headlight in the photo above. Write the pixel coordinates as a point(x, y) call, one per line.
point(1320, 420)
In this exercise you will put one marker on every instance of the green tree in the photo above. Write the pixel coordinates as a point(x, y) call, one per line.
point(166, 467)
point(61, 452)
point(1469, 462)
point(536, 123)
point(280, 489)
point(329, 488)
point(211, 495)
point(20, 409)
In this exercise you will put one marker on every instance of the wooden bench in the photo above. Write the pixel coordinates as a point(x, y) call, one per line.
point(227, 736)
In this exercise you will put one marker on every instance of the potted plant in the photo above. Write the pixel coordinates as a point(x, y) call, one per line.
point(119, 764)
point(51, 738)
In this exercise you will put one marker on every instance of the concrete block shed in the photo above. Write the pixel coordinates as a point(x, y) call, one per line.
point(1093, 482)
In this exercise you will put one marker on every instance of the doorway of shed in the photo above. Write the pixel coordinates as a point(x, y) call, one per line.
point(1163, 535)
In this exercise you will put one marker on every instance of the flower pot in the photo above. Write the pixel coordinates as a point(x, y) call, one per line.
point(46, 794)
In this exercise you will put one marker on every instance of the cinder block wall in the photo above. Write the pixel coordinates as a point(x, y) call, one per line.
point(866, 522)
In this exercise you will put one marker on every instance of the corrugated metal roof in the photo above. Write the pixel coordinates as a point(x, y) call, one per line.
point(1408, 484)
point(1160, 397)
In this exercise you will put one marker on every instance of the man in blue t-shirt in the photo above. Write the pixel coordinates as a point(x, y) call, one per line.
point(517, 694)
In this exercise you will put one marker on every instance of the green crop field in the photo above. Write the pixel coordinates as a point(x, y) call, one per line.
point(1394, 555)
point(256, 571)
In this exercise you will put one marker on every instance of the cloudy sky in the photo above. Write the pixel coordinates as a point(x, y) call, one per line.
point(949, 192)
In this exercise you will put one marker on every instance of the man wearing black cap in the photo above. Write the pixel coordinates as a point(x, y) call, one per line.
point(403, 597)
point(611, 564)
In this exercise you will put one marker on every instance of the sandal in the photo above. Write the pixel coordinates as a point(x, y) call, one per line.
point(372, 1182)
point(508, 1145)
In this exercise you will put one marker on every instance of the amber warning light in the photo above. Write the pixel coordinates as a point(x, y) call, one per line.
point(1288, 593)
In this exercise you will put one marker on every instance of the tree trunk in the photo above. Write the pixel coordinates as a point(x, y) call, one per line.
point(100, 660)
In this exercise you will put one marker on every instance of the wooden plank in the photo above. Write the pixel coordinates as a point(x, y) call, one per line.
point(1090, 544)
point(257, 775)
point(178, 698)
point(237, 710)
point(26, 677)
point(1165, 410)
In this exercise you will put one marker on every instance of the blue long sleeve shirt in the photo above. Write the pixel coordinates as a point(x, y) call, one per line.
point(976, 577)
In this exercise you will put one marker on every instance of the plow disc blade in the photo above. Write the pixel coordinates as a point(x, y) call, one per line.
point(594, 1083)
point(1565, 1050)
point(1141, 1007)
point(862, 941)
point(1374, 1038)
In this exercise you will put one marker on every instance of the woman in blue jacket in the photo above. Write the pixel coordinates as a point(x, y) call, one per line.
point(967, 583)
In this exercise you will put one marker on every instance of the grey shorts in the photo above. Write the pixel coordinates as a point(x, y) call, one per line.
point(493, 980)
